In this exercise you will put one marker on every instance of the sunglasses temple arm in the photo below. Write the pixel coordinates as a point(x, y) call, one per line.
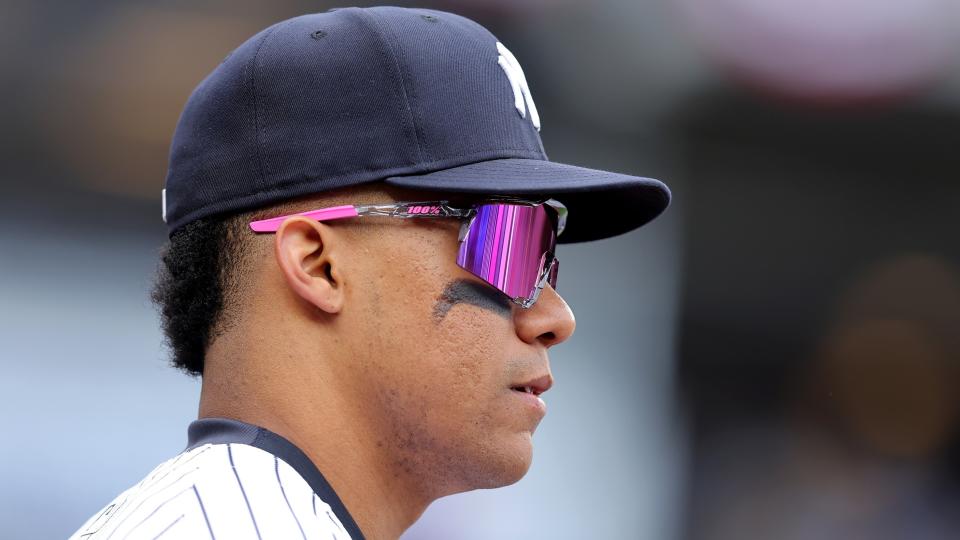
point(440, 209)
point(325, 214)
point(403, 210)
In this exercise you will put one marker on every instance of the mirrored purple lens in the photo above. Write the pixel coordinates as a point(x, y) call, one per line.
point(505, 246)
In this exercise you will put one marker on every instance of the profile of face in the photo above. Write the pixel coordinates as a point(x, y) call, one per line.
point(435, 353)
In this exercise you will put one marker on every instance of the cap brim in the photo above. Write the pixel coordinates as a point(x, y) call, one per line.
point(601, 204)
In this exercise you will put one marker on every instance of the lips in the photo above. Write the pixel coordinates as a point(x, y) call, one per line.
point(535, 386)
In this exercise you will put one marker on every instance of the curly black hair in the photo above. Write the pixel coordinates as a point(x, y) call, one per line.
point(193, 281)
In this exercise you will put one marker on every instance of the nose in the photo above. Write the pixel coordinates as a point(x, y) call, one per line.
point(548, 321)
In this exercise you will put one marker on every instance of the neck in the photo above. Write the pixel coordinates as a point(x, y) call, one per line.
point(339, 434)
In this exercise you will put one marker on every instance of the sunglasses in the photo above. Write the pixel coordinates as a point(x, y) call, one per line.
point(507, 242)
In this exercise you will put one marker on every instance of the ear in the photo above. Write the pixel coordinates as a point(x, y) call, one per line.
point(304, 249)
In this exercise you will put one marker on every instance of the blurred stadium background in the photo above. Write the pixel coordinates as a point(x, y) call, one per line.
point(777, 357)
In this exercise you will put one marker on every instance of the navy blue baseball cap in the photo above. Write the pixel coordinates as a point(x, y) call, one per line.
point(415, 98)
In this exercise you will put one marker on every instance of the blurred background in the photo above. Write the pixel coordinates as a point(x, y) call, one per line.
point(776, 357)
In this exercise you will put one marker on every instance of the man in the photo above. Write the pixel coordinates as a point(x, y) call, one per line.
point(362, 268)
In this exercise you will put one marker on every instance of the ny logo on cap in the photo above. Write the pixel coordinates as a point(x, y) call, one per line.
point(521, 92)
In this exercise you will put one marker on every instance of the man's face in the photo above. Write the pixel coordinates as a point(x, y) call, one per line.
point(439, 353)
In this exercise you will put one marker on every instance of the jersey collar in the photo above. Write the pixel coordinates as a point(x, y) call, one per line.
point(226, 430)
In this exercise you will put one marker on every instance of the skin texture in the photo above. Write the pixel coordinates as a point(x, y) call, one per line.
point(391, 367)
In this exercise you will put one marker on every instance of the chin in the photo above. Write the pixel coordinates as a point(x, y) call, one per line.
point(507, 464)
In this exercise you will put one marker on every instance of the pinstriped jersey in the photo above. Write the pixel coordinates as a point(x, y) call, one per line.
point(234, 481)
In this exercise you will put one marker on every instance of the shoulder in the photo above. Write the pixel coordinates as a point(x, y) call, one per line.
point(214, 491)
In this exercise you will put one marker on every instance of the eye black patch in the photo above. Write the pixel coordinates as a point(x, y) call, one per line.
point(474, 293)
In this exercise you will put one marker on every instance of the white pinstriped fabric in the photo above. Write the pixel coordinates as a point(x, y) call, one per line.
point(226, 491)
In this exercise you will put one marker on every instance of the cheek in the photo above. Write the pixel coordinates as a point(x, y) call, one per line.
point(456, 367)
point(465, 354)
point(471, 352)
point(409, 279)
